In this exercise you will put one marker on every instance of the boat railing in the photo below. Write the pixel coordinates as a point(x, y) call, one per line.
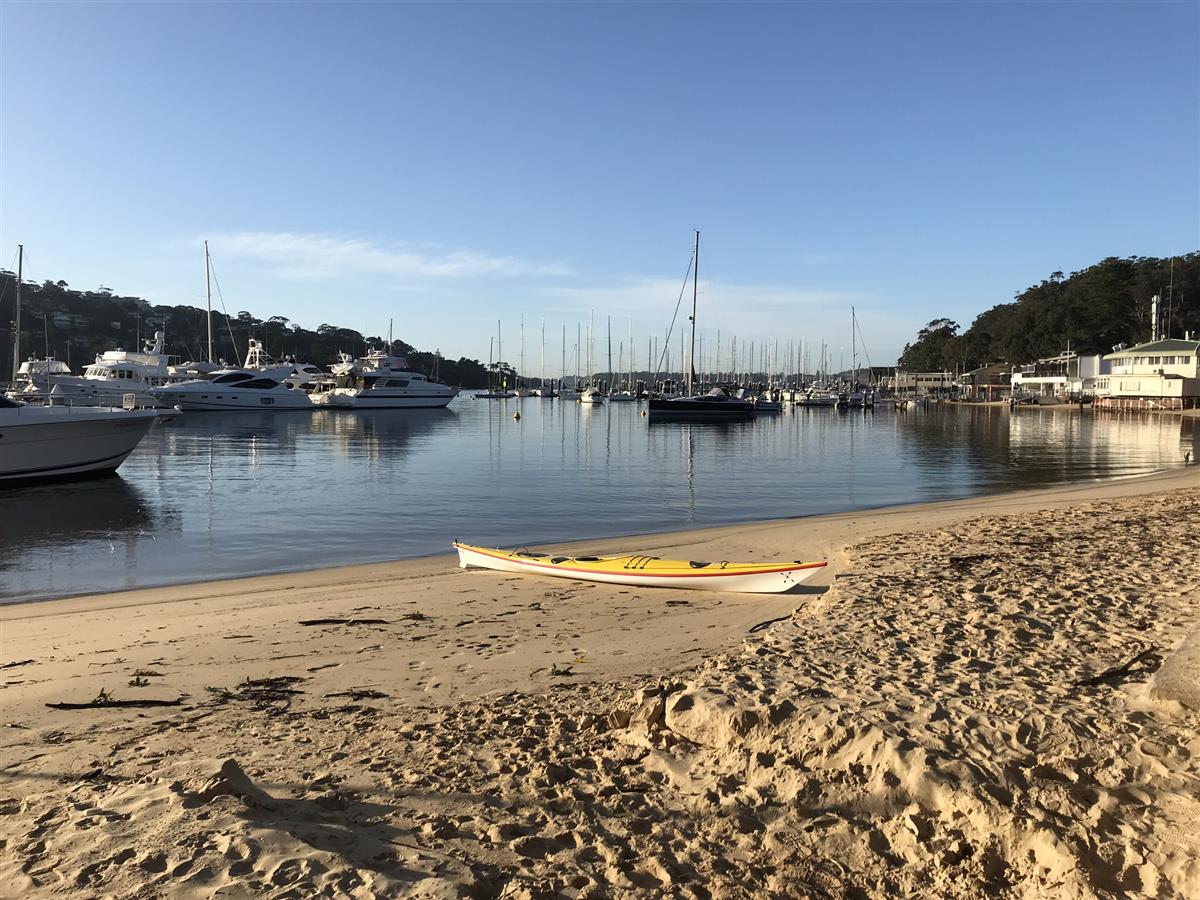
point(127, 401)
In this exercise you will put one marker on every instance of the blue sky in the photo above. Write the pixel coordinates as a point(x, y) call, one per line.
point(447, 165)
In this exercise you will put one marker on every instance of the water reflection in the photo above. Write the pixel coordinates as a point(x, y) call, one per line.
point(107, 507)
point(228, 494)
point(68, 537)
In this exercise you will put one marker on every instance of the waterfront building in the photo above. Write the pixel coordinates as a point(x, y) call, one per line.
point(991, 382)
point(930, 384)
point(1066, 378)
point(1162, 374)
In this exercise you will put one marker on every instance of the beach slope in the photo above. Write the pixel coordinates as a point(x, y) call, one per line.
point(965, 703)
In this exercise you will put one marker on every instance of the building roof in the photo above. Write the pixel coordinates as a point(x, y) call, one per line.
point(1167, 345)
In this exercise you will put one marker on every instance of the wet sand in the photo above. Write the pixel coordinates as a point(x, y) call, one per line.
point(963, 701)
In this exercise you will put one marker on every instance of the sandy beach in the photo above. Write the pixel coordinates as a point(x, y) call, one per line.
point(988, 696)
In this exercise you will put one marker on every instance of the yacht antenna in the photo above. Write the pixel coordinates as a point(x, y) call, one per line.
point(208, 294)
point(695, 288)
point(17, 319)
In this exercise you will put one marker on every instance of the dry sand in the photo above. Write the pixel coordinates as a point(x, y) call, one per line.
point(965, 704)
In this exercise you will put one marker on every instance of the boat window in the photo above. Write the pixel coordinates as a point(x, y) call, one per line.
point(397, 382)
point(5, 403)
point(232, 377)
point(262, 384)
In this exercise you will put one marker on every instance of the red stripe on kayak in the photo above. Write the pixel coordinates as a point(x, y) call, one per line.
point(641, 572)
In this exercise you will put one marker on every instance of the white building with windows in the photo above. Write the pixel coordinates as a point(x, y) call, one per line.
point(933, 384)
point(1066, 378)
point(1162, 374)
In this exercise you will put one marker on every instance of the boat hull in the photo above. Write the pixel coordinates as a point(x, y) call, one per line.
point(645, 571)
point(216, 403)
point(55, 443)
point(365, 400)
point(701, 409)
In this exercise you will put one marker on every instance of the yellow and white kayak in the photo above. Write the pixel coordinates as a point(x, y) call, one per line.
point(644, 571)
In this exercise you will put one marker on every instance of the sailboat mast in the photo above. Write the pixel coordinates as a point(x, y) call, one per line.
point(695, 289)
point(853, 348)
point(17, 318)
point(208, 294)
point(610, 368)
point(631, 365)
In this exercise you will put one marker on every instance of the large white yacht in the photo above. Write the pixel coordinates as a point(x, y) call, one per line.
point(380, 381)
point(228, 389)
point(40, 442)
point(105, 382)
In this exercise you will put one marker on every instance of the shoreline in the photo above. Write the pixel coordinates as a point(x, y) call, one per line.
point(654, 540)
point(963, 701)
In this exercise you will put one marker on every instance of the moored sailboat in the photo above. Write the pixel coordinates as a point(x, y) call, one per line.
point(716, 405)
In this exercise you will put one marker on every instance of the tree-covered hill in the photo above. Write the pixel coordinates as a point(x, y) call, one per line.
point(1091, 311)
point(76, 325)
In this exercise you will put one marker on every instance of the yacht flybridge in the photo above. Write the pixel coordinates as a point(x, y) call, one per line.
point(381, 381)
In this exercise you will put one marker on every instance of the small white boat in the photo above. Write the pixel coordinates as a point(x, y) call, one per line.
point(53, 442)
point(645, 571)
point(623, 397)
point(591, 395)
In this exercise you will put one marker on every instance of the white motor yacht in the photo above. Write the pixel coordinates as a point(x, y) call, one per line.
point(105, 382)
point(37, 371)
point(380, 381)
point(233, 389)
point(40, 442)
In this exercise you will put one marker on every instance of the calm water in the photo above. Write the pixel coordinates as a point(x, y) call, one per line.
point(216, 495)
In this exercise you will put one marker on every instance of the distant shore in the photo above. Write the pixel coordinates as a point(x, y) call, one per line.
point(410, 726)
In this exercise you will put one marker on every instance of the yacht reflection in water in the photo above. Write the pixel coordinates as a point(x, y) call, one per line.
point(57, 518)
point(373, 434)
